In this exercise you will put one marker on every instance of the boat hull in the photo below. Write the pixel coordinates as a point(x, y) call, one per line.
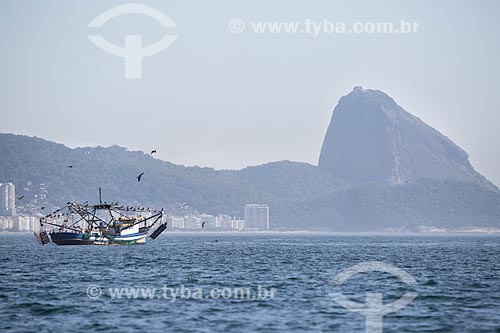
point(138, 238)
point(72, 238)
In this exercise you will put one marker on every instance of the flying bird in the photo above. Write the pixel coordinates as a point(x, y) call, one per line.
point(153, 152)
point(139, 177)
point(203, 224)
point(42, 208)
point(70, 166)
point(20, 198)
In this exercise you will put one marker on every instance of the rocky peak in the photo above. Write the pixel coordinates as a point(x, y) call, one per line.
point(371, 138)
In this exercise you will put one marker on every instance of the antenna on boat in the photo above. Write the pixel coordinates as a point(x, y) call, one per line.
point(100, 196)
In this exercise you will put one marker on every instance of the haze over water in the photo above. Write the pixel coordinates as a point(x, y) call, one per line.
point(44, 289)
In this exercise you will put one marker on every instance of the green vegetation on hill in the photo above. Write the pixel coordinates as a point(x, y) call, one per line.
point(300, 195)
point(164, 184)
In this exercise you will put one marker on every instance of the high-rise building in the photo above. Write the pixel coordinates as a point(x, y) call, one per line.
point(223, 222)
point(237, 224)
point(7, 199)
point(177, 222)
point(256, 217)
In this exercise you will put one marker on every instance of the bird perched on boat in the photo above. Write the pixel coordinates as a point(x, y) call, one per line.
point(139, 177)
point(20, 198)
point(153, 152)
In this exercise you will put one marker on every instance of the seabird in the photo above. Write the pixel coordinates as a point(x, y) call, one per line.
point(153, 152)
point(139, 177)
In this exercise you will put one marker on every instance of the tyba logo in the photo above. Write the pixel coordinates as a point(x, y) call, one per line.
point(132, 51)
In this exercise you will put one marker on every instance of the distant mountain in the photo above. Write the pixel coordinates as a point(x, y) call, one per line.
point(411, 207)
point(371, 138)
point(380, 169)
point(25, 159)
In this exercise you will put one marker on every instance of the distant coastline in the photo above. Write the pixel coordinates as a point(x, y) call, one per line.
point(469, 232)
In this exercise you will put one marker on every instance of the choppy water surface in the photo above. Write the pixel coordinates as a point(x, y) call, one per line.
point(44, 289)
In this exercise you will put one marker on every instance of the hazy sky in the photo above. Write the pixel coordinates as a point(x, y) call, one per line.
point(225, 100)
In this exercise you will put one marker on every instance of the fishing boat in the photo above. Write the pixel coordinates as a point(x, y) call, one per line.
point(100, 224)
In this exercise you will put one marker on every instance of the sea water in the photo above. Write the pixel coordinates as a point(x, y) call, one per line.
point(250, 283)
